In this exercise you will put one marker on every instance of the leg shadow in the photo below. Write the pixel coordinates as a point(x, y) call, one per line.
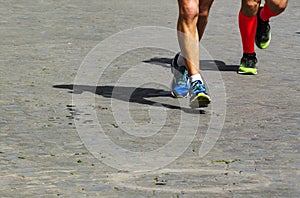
point(206, 65)
point(138, 95)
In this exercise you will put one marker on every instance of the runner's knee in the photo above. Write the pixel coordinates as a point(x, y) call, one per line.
point(189, 11)
point(204, 13)
point(204, 8)
point(250, 7)
point(277, 6)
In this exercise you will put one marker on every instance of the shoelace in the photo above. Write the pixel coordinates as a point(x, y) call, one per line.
point(250, 62)
point(199, 86)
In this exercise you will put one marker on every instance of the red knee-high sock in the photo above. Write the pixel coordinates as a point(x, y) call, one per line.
point(247, 27)
point(266, 13)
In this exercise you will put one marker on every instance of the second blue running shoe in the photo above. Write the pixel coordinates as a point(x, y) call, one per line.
point(199, 96)
point(180, 82)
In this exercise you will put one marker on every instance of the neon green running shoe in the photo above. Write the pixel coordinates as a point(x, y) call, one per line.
point(263, 32)
point(248, 64)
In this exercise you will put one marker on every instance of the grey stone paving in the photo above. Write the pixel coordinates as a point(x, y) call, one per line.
point(43, 44)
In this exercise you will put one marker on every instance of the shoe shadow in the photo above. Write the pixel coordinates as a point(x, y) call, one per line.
point(138, 95)
point(217, 65)
point(206, 65)
point(164, 62)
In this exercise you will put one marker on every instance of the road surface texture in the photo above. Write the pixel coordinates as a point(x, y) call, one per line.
point(245, 144)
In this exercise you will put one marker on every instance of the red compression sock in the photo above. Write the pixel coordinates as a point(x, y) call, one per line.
point(266, 13)
point(247, 27)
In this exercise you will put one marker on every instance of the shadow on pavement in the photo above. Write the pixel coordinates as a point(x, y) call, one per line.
point(138, 95)
point(207, 65)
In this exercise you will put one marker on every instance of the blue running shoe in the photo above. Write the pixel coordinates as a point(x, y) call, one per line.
point(199, 96)
point(180, 82)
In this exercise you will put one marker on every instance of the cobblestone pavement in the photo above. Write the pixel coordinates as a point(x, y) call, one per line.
point(42, 153)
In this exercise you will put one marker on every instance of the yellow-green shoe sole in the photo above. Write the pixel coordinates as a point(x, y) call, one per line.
point(263, 45)
point(247, 70)
point(201, 100)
